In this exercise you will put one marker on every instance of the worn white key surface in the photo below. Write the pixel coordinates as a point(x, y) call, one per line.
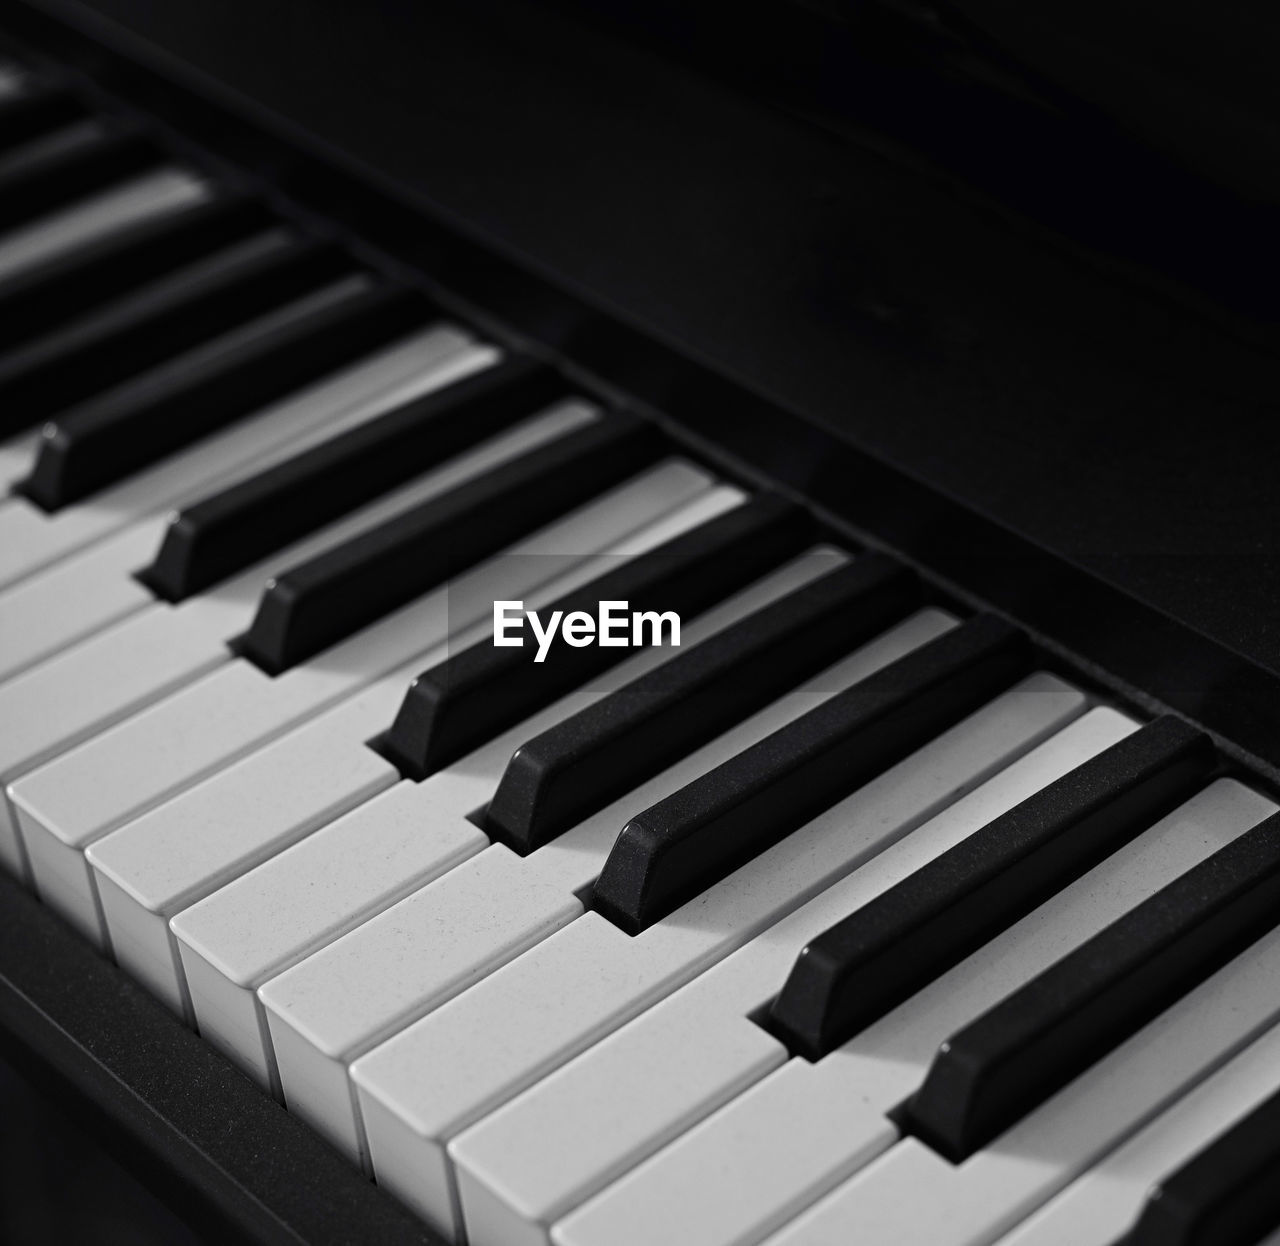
point(51, 610)
point(31, 539)
point(57, 704)
point(531, 1162)
point(147, 197)
point(296, 902)
point(973, 1203)
point(588, 980)
point(184, 849)
point(766, 1169)
point(269, 920)
point(1102, 1205)
point(123, 772)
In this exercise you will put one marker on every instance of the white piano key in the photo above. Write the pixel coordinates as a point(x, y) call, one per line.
point(296, 902)
point(52, 610)
point(147, 197)
point(220, 839)
point(55, 705)
point(31, 540)
point(514, 1204)
point(528, 1164)
point(150, 869)
point(707, 1217)
point(410, 965)
point(757, 1166)
point(1101, 1206)
point(15, 459)
point(973, 1203)
point(590, 979)
point(272, 918)
point(314, 1060)
point(84, 794)
point(93, 588)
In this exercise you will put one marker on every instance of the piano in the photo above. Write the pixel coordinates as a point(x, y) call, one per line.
point(643, 623)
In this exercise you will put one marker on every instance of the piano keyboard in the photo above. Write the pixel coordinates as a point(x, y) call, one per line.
point(853, 918)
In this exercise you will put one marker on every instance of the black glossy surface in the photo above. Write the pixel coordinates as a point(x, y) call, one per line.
point(865, 964)
point(708, 828)
point(974, 89)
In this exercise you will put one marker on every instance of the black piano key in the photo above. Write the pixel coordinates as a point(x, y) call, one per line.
point(326, 599)
point(1013, 1057)
point(581, 764)
point(182, 309)
point(140, 421)
point(72, 283)
point(232, 529)
point(37, 109)
point(457, 705)
point(1227, 1195)
point(872, 960)
point(710, 827)
point(49, 174)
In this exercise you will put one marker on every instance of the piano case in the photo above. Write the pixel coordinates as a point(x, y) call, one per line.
point(1025, 354)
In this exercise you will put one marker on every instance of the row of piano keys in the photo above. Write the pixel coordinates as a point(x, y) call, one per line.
point(842, 921)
